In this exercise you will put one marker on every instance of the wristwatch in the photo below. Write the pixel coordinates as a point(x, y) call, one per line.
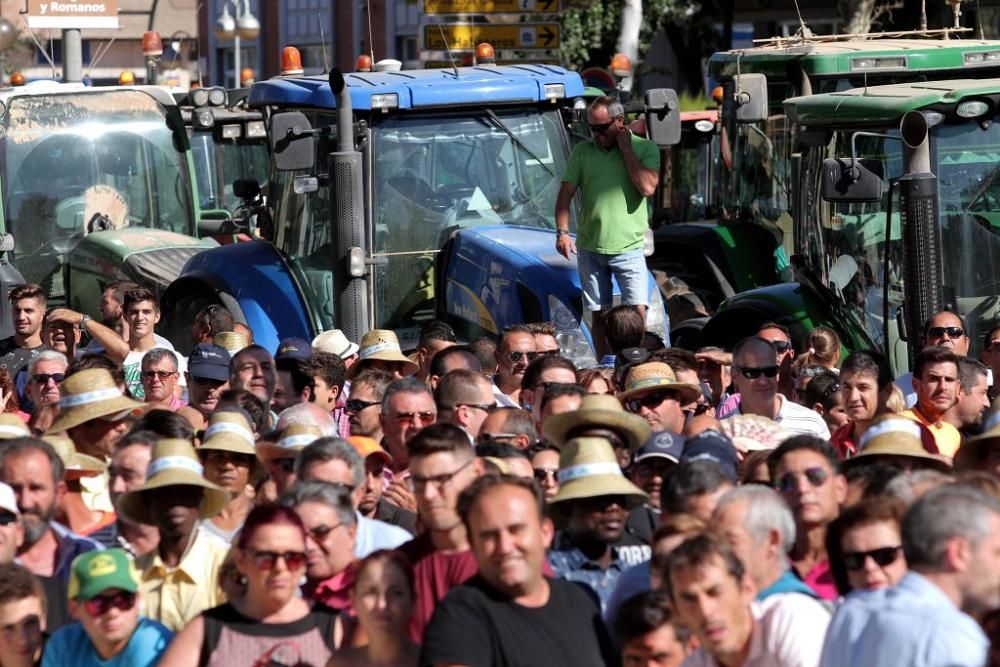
point(562, 232)
point(82, 326)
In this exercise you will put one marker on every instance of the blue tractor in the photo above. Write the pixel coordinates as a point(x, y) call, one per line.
point(404, 196)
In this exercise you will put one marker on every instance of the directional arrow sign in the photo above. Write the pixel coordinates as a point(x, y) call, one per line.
point(491, 6)
point(465, 36)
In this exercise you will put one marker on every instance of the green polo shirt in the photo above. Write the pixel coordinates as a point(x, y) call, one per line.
point(613, 213)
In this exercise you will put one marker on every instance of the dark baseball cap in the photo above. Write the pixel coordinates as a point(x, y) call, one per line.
point(713, 446)
point(664, 445)
point(209, 361)
point(293, 348)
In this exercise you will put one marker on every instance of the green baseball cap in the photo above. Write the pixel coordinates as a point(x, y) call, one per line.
point(94, 572)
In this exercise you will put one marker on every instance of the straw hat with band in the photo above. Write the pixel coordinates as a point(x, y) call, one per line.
point(232, 341)
point(292, 440)
point(381, 345)
point(656, 376)
point(75, 464)
point(229, 431)
point(972, 454)
point(335, 342)
point(598, 411)
point(895, 436)
point(174, 463)
point(92, 394)
point(12, 426)
point(366, 447)
point(588, 468)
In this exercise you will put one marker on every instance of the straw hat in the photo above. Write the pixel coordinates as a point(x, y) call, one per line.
point(174, 464)
point(12, 426)
point(92, 394)
point(230, 431)
point(599, 411)
point(381, 345)
point(894, 435)
point(335, 342)
point(232, 341)
point(751, 433)
point(292, 440)
point(75, 464)
point(653, 376)
point(588, 468)
point(972, 454)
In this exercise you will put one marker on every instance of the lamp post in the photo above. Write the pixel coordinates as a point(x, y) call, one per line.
point(244, 26)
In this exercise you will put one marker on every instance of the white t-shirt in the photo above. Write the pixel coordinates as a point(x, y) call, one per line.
point(789, 629)
point(796, 418)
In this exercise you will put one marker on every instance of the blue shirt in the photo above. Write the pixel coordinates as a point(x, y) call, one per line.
point(373, 535)
point(71, 645)
point(70, 546)
point(913, 624)
point(569, 563)
point(787, 583)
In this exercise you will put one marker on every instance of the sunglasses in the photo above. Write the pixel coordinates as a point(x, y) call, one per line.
point(790, 481)
point(357, 405)
point(516, 356)
point(286, 466)
point(650, 400)
point(543, 474)
point(162, 375)
point(98, 606)
point(479, 406)
point(424, 417)
point(600, 128)
point(495, 438)
point(43, 378)
point(855, 560)
point(939, 332)
point(320, 532)
point(781, 346)
point(266, 560)
point(754, 373)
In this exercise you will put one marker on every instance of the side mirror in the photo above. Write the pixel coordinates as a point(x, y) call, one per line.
point(663, 117)
point(292, 141)
point(750, 98)
point(846, 180)
point(246, 188)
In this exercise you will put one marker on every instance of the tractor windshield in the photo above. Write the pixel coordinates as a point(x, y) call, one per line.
point(845, 245)
point(218, 163)
point(74, 164)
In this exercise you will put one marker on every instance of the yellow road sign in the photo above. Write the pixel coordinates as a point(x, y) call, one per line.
point(465, 36)
point(491, 6)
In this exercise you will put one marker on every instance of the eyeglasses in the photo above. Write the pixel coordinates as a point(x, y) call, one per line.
point(754, 373)
point(516, 356)
point(650, 400)
point(790, 481)
point(548, 353)
point(98, 606)
point(855, 560)
point(320, 532)
point(286, 466)
point(357, 405)
point(43, 378)
point(495, 438)
point(425, 417)
point(162, 375)
point(479, 406)
point(545, 385)
point(543, 474)
point(266, 560)
point(221, 458)
point(418, 483)
point(939, 332)
point(600, 128)
point(780, 346)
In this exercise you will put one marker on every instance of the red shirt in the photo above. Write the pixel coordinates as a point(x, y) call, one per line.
point(435, 573)
point(843, 441)
point(335, 592)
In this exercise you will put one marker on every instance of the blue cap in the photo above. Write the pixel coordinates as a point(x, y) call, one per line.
point(664, 445)
point(293, 348)
point(713, 446)
point(209, 361)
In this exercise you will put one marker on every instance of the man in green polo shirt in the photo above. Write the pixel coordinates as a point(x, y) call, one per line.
point(614, 171)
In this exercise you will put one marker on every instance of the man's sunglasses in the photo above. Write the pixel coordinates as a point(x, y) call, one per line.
point(650, 400)
point(855, 560)
point(790, 481)
point(939, 332)
point(97, 606)
point(754, 373)
point(601, 128)
point(357, 405)
point(781, 346)
point(543, 474)
point(43, 378)
point(516, 356)
point(162, 375)
point(266, 560)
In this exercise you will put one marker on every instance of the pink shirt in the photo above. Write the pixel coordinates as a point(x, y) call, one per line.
point(820, 579)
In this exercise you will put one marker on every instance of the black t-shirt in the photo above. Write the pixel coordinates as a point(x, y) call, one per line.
point(14, 358)
point(475, 625)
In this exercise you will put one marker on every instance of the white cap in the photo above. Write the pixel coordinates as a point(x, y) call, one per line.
point(335, 342)
point(8, 501)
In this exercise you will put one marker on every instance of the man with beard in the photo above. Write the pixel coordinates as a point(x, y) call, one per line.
point(364, 404)
point(207, 377)
point(935, 380)
point(593, 501)
point(514, 352)
point(180, 578)
point(34, 471)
